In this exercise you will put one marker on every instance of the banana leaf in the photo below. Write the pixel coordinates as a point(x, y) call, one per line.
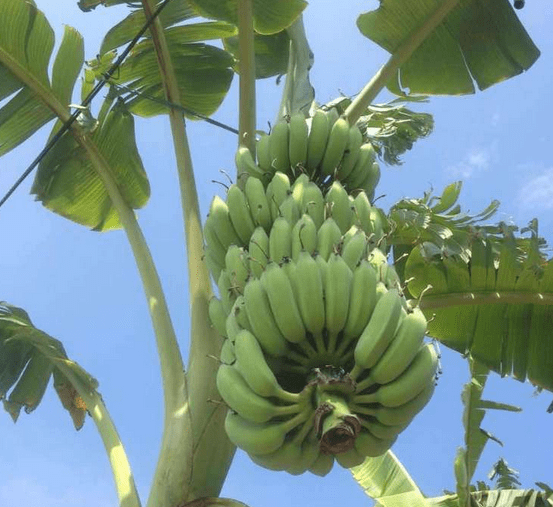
point(498, 498)
point(269, 16)
point(497, 306)
point(29, 358)
point(479, 41)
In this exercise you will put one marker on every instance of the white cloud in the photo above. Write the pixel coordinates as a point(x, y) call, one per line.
point(538, 191)
point(476, 161)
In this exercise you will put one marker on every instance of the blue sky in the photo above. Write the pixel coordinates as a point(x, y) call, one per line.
point(83, 288)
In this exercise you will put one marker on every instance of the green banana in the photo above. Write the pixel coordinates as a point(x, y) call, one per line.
point(298, 189)
point(371, 180)
point(227, 292)
point(349, 459)
point(218, 316)
point(213, 262)
point(378, 333)
point(362, 211)
point(240, 215)
point(354, 247)
point(335, 147)
point(262, 320)
point(309, 293)
point(401, 415)
point(290, 210)
point(340, 207)
point(258, 251)
point(337, 289)
point(351, 154)
point(304, 236)
point(238, 395)
point(231, 324)
point(264, 155)
point(362, 166)
point(279, 140)
point(251, 363)
point(313, 203)
point(329, 237)
point(241, 315)
point(362, 302)
point(297, 150)
point(283, 303)
point(258, 203)
point(259, 439)
point(386, 272)
point(382, 431)
point(322, 465)
point(369, 445)
point(316, 144)
point(227, 353)
point(237, 267)
point(288, 453)
point(280, 240)
point(245, 164)
point(409, 384)
point(278, 190)
point(214, 249)
point(403, 349)
point(219, 219)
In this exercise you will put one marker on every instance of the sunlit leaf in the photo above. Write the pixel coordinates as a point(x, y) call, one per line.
point(480, 41)
point(269, 16)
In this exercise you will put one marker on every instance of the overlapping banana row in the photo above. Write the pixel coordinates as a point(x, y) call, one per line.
point(324, 147)
point(277, 222)
point(322, 361)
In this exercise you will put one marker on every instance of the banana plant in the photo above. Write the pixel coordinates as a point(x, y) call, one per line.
point(449, 264)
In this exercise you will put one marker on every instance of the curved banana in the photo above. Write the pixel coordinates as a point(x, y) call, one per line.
point(409, 384)
point(340, 207)
point(349, 459)
point(362, 211)
point(382, 431)
point(354, 247)
point(245, 164)
point(298, 189)
point(218, 316)
point(213, 262)
point(378, 333)
point(371, 180)
point(335, 147)
point(226, 291)
point(227, 353)
point(215, 248)
point(337, 288)
point(237, 267)
point(262, 320)
point(403, 349)
point(371, 446)
point(329, 237)
point(313, 203)
point(258, 251)
point(322, 465)
point(279, 140)
point(290, 210)
point(309, 293)
point(219, 219)
point(304, 237)
point(240, 215)
point(258, 203)
point(278, 190)
point(297, 150)
point(264, 155)
point(316, 144)
point(259, 439)
point(251, 363)
point(363, 164)
point(362, 302)
point(283, 303)
point(351, 154)
point(280, 240)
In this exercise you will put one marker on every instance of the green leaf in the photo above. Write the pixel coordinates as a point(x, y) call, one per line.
point(26, 44)
point(67, 183)
point(271, 53)
point(387, 481)
point(480, 41)
point(28, 359)
point(498, 306)
point(269, 16)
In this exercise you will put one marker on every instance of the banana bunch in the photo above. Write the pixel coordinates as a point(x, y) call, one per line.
point(277, 222)
point(325, 147)
point(316, 335)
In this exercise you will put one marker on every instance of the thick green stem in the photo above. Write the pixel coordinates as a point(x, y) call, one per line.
point(120, 467)
point(400, 56)
point(204, 456)
point(246, 63)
